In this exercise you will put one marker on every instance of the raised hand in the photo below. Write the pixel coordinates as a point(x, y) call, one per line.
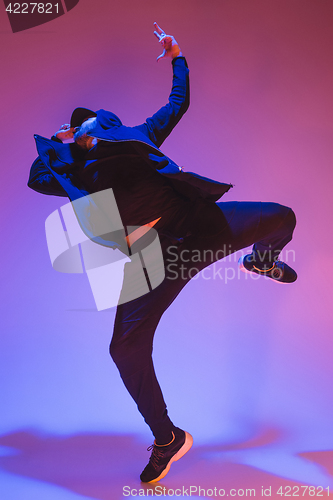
point(169, 44)
point(65, 132)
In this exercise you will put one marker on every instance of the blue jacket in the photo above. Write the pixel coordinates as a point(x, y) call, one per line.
point(51, 171)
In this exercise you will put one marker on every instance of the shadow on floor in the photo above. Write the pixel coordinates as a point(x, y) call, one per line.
point(99, 466)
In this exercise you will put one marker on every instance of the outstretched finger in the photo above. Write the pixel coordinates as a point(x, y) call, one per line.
point(158, 29)
point(158, 35)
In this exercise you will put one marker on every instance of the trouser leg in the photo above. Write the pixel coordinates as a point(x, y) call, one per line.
point(131, 349)
point(276, 228)
point(268, 226)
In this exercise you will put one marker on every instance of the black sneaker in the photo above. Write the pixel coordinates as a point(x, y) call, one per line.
point(163, 456)
point(278, 270)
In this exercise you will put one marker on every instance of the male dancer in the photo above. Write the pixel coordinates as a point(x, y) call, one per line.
point(151, 190)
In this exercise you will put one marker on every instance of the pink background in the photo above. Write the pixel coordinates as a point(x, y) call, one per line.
point(255, 364)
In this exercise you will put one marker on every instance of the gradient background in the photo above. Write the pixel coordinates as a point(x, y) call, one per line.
point(251, 377)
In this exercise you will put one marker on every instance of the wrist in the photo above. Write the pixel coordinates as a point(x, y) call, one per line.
point(176, 53)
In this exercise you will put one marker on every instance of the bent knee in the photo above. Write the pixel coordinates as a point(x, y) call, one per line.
point(117, 351)
point(279, 214)
point(130, 350)
point(290, 219)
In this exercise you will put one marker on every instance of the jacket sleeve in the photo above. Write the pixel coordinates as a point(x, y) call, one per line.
point(42, 181)
point(159, 126)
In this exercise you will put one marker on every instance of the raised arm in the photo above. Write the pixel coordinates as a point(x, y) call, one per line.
point(160, 125)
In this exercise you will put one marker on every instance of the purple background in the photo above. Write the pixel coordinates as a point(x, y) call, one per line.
point(252, 355)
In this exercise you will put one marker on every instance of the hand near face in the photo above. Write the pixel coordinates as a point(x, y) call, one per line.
point(169, 44)
point(65, 132)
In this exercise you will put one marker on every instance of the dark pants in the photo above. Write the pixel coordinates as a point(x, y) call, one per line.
point(269, 226)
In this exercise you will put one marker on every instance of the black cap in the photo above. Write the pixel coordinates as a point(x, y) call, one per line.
point(80, 115)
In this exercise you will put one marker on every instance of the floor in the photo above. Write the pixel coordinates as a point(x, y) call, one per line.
point(107, 467)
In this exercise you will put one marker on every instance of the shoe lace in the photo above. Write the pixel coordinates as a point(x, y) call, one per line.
point(155, 456)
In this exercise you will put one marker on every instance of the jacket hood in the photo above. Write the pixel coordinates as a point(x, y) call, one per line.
point(107, 123)
point(106, 119)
